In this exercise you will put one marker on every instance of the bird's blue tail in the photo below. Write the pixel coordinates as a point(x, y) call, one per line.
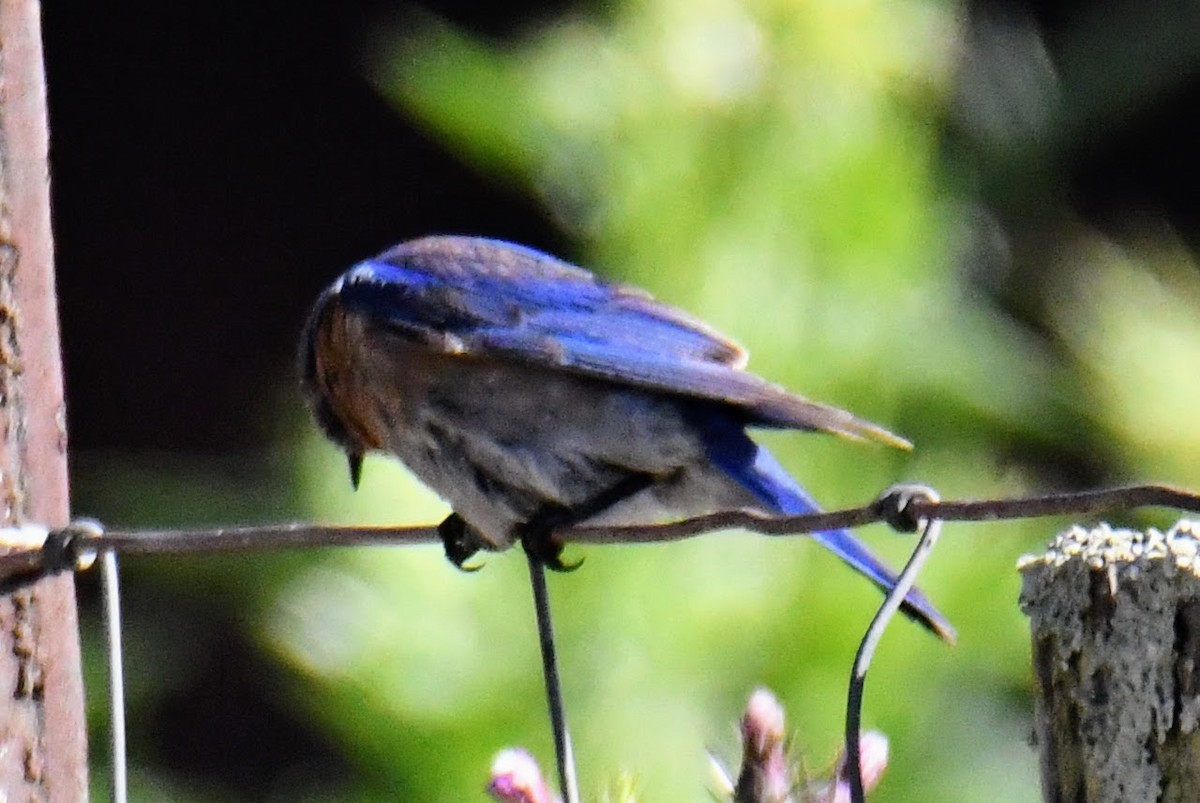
point(756, 469)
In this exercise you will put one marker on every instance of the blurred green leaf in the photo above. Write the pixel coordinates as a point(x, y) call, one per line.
point(776, 168)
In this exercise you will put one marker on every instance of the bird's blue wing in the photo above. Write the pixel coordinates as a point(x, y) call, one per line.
point(498, 295)
point(481, 297)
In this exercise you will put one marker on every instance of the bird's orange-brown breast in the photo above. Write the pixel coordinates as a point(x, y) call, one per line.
point(371, 379)
point(337, 375)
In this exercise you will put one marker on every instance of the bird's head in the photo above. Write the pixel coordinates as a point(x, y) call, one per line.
point(317, 375)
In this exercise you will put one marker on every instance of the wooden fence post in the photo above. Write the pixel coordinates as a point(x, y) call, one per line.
point(1115, 619)
point(42, 733)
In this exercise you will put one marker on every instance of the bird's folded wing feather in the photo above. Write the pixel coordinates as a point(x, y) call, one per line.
point(563, 317)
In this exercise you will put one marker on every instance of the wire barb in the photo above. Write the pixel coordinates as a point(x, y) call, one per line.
point(119, 785)
point(40, 552)
point(563, 752)
point(903, 499)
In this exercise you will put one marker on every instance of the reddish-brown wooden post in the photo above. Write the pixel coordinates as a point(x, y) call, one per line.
point(42, 736)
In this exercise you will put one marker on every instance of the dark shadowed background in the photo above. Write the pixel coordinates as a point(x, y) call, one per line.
point(973, 223)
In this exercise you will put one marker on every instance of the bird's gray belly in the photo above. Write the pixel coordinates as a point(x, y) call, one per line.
point(501, 443)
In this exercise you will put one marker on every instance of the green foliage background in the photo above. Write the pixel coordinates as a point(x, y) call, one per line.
point(782, 170)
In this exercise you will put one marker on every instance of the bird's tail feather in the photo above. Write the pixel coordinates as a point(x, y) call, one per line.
point(756, 469)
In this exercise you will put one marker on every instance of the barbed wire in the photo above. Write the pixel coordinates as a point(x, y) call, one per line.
point(36, 550)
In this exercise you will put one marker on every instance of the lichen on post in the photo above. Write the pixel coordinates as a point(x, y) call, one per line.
point(1115, 621)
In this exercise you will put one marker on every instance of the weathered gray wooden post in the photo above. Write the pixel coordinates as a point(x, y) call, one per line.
point(1115, 620)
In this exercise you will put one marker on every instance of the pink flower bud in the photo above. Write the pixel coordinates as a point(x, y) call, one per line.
point(873, 754)
point(765, 774)
point(516, 778)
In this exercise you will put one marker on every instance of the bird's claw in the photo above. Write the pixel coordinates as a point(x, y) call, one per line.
point(546, 550)
point(460, 542)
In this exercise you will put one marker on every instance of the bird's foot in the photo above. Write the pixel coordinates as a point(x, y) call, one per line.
point(542, 546)
point(537, 537)
point(460, 541)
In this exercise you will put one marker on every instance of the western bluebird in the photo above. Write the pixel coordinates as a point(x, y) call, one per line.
point(532, 395)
